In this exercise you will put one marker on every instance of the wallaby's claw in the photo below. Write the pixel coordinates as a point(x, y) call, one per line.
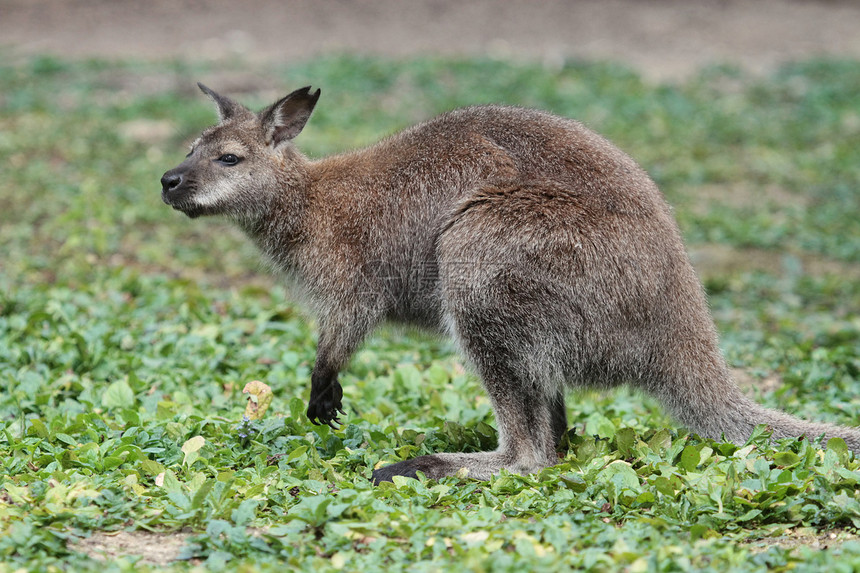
point(324, 411)
point(325, 401)
point(320, 420)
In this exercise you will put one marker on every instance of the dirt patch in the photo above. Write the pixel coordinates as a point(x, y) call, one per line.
point(714, 260)
point(664, 39)
point(814, 539)
point(703, 198)
point(748, 382)
point(153, 548)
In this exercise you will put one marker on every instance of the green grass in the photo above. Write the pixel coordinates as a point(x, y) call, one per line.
point(126, 330)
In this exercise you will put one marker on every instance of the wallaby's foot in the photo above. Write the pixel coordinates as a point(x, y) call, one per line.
point(325, 402)
point(433, 466)
point(480, 465)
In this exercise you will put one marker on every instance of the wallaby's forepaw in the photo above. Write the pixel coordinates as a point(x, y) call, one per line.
point(325, 405)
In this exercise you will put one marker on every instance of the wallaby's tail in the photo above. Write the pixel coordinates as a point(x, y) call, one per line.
point(787, 426)
point(721, 409)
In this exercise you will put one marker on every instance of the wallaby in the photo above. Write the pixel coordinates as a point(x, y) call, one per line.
point(547, 253)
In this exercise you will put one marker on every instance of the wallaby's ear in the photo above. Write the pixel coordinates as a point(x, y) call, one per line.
point(286, 118)
point(227, 108)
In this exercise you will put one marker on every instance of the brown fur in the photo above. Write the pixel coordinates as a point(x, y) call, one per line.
point(546, 252)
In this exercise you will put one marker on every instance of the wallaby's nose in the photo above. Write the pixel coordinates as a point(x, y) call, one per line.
point(170, 181)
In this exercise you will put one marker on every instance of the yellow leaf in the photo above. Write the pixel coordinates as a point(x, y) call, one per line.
point(259, 397)
point(193, 444)
point(338, 560)
point(191, 447)
point(475, 537)
point(18, 494)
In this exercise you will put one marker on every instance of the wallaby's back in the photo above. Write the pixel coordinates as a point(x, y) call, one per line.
point(388, 204)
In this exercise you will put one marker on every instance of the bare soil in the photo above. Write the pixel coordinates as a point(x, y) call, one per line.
point(160, 549)
point(156, 549)
point(801, 536)
point(664, 39)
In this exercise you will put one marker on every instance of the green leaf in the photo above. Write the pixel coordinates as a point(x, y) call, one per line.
point(297, 453)
point(38, 428)
point(245, 513)
point(625, 439)
point(599, 425)
point(690, 458)
point(749, 515)
point(118, 394)
point(786, 459)
point(151, 467)
point(311, 510)
point(850, 476)
point(838, 446)
point(66, 439)
point(664, 486)
point(698, 531)
point(574, 482)
point(622, 475)
point(201, 493)
point(661, 441)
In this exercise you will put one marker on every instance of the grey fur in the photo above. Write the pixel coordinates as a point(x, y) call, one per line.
point(546, 252)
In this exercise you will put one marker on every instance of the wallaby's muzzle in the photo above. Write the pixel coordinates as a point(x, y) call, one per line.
point(177, 192)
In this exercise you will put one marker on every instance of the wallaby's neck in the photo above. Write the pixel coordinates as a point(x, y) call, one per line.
point(279, 223)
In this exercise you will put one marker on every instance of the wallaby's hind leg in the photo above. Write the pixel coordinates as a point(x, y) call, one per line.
point(528, 421)
point(527, 399)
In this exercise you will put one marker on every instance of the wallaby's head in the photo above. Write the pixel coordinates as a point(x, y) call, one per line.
point(237, 167)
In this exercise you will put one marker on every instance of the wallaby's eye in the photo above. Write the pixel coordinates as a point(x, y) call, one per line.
point(229, 159)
